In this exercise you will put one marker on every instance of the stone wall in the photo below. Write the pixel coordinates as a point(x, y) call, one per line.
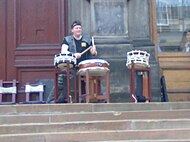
point(129, 31)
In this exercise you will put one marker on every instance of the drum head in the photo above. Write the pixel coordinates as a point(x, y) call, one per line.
point(94, 71)
point(63, 66)
point(137, 65)
point(91, 61)
point(96, 67)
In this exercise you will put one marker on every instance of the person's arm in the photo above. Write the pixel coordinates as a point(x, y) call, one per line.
point(93, 50)
point(64, 47)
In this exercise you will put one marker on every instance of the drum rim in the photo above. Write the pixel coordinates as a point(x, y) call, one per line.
point(64, 58)
point(136, 57)
point(130, 53)
point(65, 54)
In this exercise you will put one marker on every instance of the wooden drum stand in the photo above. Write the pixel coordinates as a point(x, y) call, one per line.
point(138, 61)
point(146, 92)
point(68, 72)
point(93, 72)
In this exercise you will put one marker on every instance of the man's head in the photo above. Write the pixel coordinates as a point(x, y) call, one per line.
point(75, 23)
point(76, 29)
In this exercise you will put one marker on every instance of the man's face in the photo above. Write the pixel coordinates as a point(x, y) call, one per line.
point(77, 30)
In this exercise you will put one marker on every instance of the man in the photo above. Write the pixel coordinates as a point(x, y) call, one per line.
point(75, 43)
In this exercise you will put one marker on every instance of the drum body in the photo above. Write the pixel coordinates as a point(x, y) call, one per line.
point(96, 67)
point(139, 58)
point(60, 60)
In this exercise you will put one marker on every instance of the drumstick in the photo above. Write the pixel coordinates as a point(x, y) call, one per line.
point(86, 50)
point(89, 47)
point(92, 41)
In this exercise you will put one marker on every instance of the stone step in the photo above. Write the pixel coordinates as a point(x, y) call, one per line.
point(167, 134)
point(179, 140)
point(91, 107)
point(88, 126)
point(95, 122)
point(54, 117)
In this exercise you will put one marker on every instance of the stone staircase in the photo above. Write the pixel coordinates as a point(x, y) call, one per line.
point(114, 122)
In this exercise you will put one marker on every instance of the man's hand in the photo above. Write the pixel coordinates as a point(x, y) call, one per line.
point(77, 55)
point(93, 50)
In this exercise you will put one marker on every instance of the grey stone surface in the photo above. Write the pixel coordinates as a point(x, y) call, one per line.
point(140, 122)
point(119, 27)
point(116, 55)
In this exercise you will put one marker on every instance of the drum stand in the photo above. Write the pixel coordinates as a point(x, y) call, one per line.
point(93, 87)
point(146, 92)
point(68, 71)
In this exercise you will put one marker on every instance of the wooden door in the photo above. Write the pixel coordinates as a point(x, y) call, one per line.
point(33, 31)
point(2, 39)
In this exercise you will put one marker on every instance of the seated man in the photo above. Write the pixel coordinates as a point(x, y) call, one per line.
point(77, 44)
